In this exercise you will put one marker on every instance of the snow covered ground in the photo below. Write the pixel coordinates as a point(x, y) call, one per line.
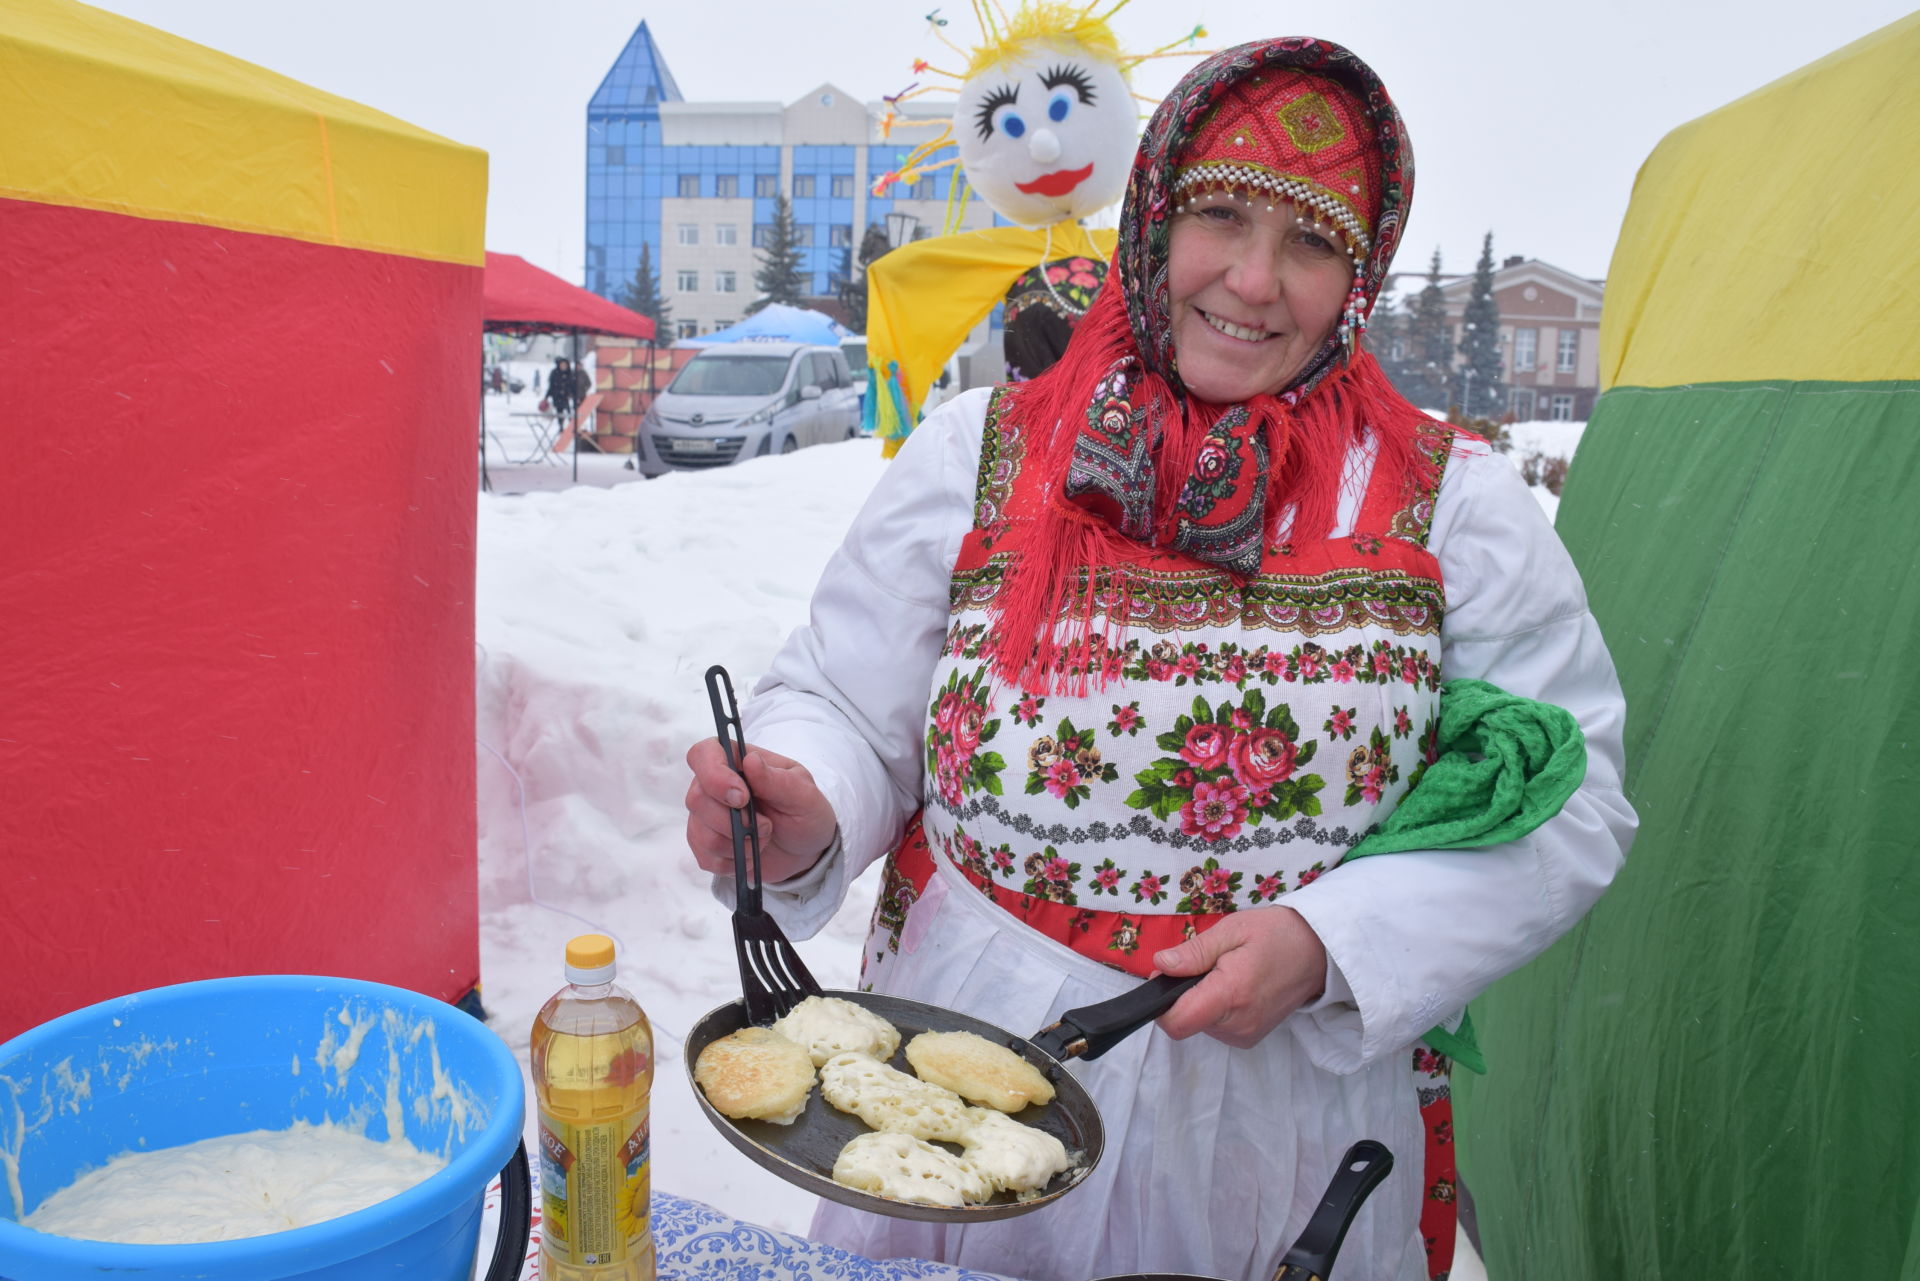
point(601, 605)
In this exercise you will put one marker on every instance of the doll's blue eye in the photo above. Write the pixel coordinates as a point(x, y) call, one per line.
point(1013, 126)
point(1058, 108)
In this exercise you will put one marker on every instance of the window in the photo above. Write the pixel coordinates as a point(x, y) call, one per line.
point(843, 186)
point(689, 282)
point(722, 372)
point(689, 233)
point(689, 184)
point(766, 185)
point(803, 186)
point(920, 189)
point(1520, 404)
point(687, 328)
point(840, 236)
point(762, 234)
point(616, 155)
point(726, 233)
point(1568, 357)
point(726, 185)
point(1562, 409)
point(723, 282)
point(803, 235)
point(1526, 345)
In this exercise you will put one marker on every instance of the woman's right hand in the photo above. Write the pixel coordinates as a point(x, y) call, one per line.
point(796, 823)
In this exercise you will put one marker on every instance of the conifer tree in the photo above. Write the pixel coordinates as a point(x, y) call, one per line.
point(644, 296)
point(779, 278)
point(1387, 340)
point(1427, 342)
point(853, 293)
point(1481, 391)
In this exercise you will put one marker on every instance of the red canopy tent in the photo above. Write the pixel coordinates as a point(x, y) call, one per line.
point(520, 298)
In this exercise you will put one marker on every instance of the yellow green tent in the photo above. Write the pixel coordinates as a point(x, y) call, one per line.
point(1718, 1074)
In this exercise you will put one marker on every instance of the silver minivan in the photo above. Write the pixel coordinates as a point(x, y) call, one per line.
point(747, 399)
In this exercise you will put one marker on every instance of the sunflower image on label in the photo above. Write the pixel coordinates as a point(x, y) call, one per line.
point(594, 1189)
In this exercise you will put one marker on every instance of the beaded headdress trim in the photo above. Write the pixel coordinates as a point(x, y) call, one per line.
point(1212, 176)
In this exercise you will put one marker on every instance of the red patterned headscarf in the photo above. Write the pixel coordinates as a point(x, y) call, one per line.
point(1287, 135)
point(1136, 459)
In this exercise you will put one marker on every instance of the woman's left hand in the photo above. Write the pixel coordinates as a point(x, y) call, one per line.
point(1261, 966)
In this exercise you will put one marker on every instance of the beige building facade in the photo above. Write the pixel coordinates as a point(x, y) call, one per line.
point(1549, 334)
point(1549, 337)
point(830, 152)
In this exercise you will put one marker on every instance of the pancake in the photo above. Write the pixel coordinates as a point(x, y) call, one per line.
point(978, 1070)
point(1013, 1157)
point(907, 1169)
point(830, 1025)
point(756, 1074)
point(890, 1100)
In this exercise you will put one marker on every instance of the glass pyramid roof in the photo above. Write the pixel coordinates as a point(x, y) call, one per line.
point(638, 78)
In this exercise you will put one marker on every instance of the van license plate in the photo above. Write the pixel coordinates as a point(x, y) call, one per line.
point(693, 445)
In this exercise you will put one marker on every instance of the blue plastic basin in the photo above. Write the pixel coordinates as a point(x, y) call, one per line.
point(177, 1064)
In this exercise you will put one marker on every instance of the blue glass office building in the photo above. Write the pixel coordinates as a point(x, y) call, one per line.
point(696, 184)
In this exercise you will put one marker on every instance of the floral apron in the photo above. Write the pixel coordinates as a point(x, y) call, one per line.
point(1247, 734)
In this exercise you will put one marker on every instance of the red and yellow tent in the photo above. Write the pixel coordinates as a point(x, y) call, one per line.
point(1714, 1075)
point(236, 670)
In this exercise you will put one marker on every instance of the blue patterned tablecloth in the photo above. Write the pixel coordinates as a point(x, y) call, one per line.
point(695, 1242)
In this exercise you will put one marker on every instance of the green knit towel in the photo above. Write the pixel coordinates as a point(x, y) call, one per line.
point(1506, 765)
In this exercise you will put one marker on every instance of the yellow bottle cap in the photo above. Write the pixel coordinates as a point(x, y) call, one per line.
point(589, 951)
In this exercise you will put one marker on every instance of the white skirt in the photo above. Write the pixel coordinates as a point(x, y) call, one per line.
point(1215, 1157)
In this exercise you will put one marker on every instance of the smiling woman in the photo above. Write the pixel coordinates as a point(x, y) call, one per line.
point(1165, 633)
point(1256, 291)
point(1267, 246)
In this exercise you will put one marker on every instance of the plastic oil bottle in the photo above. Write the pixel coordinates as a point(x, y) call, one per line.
point(592, 1069)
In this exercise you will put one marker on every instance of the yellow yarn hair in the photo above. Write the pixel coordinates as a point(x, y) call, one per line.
point(1050, 22)
point(1065, 25)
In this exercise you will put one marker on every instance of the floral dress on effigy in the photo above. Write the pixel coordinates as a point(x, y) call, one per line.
point(1042, 307)
point(1245, 736)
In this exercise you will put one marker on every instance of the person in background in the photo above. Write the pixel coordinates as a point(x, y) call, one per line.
point(562, 395)
point(574, 433)
point(1164, 631)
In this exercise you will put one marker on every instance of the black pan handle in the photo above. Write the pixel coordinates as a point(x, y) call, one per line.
point(516, 1218)
point(1361, 1170)
point(1092, 1030)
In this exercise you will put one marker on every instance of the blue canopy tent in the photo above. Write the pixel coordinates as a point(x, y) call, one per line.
point(777, 322)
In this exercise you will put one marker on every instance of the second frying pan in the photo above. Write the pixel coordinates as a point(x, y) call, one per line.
point(1311, 1258)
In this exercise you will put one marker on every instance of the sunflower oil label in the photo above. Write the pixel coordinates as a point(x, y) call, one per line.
point(594, 1189)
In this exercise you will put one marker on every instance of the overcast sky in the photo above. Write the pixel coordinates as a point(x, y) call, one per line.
point(1528, 119)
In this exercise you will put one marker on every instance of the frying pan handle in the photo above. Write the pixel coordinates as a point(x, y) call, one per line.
point(1361, 1170)
point(1092, 1030)
point(516, 1218)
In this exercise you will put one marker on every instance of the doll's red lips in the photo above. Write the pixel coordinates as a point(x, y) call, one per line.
point(1057, 183)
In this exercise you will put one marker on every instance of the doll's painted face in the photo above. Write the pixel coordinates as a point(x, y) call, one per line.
point(1047, 134)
